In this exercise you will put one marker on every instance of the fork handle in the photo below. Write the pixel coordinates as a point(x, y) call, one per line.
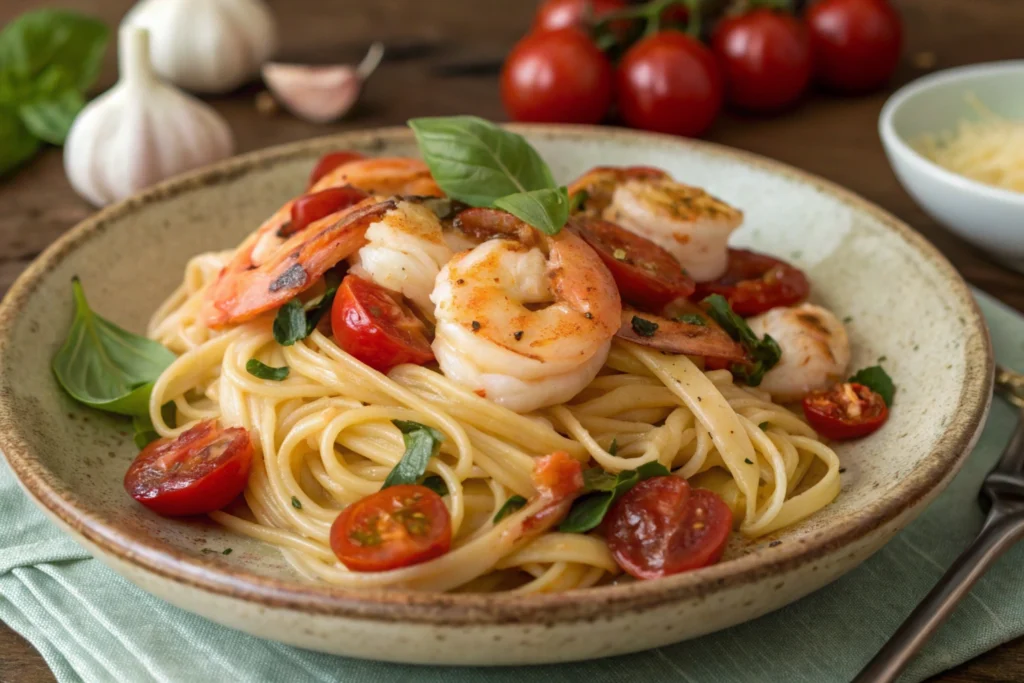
point(995, 538)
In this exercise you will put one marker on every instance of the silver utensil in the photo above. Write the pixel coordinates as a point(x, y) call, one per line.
point(1002, 494)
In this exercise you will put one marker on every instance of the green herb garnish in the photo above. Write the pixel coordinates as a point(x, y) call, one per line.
point(645, 328)
point(600, 490)
point(481, 164)
point(512, 504)
point(296, 503)
point(421, 444)
point(259, 369)
point(764, 352)
point(295, 321)
point(692, 319)
point(878, 380)
point(436, 484)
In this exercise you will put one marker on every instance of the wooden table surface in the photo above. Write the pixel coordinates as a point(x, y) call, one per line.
point(833, 137)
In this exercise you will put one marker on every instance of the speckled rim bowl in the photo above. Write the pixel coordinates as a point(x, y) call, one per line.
point(836, 233)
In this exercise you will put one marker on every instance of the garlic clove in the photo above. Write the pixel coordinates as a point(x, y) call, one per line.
point(320, 94)
point(207, 46)
point(141, 131)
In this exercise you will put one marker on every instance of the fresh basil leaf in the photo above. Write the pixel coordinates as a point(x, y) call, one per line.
point(46, 38)
point(602, 489)
point(643, 327)
point(878, 380)
point(692, 319)
point(764, 352)
point(421, 444)
point(477, 162)
point(547, 209)
point(17, 144)
point(259, 369)
point(436, 484)
point(614, 448)
point(578, 200)
point(144, 431)
point(512, 504)
point(106, 367)
point(50, 118)
point(294, 322)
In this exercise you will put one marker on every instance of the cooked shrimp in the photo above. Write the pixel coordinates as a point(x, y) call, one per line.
point(406, 251)
point(525, 326)
point(815, 350)
point(383, 176)
point(684, 220)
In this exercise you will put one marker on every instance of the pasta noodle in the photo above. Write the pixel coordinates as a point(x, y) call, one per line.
point(324, 438)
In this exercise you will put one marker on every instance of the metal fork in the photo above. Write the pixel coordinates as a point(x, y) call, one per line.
point(1002, 494)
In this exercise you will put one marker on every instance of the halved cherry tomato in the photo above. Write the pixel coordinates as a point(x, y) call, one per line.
point(845, 411)
point(395, 527)
point(329, 162)
point(755, 283)
point(661, 527)
point(647, 275)
point(312, 207)
point(202, 470)
point(370, 323)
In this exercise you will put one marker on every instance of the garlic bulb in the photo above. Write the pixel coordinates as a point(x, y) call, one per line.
point(140, 131)
point(209, 46)
point(320, 94)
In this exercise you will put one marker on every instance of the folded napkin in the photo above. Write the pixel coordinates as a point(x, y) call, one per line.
point(91, 625)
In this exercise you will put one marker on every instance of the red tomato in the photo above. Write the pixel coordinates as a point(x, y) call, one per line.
point(845, 411)
point(856, 43)
point(312, 207)
point(557, 476)
point(670, 83)
point(557, 76)
point(329, 162)
point(369, 323)
point(765, 57)
point(555, 14)
point(755, 283)
point(661, 527)
point(395, 527)
point(647, 275)
point(202, 470)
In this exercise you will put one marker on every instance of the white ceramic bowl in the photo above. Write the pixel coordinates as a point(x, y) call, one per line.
point(989, 217)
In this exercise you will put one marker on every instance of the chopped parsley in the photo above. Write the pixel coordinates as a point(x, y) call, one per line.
point(512, 504)
point(263, 371)
point(692, 319)
point(614, 448)
point(296, 503)
point(645, 328)
point(227, 551)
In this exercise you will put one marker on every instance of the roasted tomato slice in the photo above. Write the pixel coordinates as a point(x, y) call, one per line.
point(395, 527)
point(329, 162)
point(202, 470)
point(661, 527)
point(370, 323)
point(310, 208)
point(647, 275)
point(845, 411)
point(755, 283)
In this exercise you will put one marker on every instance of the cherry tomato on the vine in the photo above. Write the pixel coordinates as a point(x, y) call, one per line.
point(766, 59)
point(556, 76)
point(395, 527)
point(669, 83)
point(856, 43)
point(845, 411)
point(202, 470)
point(556, 14)
point(370, 323)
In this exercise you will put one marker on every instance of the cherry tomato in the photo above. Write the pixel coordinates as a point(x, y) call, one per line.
point(845, 411)
point(329, 162)
point(856, 43)
point(765, 57)
point(661, 527)
point(202, 470)
point(395, 527)
point(369, 323)
point(755, 283)
point(557, 476)
point(312, 207)
point(555, 14)
point(557, 76)
point(670, 83)
point(647, 275)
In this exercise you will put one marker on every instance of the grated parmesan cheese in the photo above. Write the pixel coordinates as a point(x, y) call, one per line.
point(989, 149)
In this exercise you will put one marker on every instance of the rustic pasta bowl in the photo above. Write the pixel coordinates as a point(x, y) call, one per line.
point(902, 300)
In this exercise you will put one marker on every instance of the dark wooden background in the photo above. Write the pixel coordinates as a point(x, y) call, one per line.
point(833, 137)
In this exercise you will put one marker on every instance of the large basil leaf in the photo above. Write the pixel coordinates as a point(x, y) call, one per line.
point(106, 367)
point(49, 118)
point(601, 489)
point(547, 210)
point(17, 144)
point(477, 162)
point(421, 444)
point(54, 38)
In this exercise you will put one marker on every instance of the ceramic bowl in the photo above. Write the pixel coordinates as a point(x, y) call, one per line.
point(989, 217)
point(901, 298)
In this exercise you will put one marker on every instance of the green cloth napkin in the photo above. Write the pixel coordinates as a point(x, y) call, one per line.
point(91, 625)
